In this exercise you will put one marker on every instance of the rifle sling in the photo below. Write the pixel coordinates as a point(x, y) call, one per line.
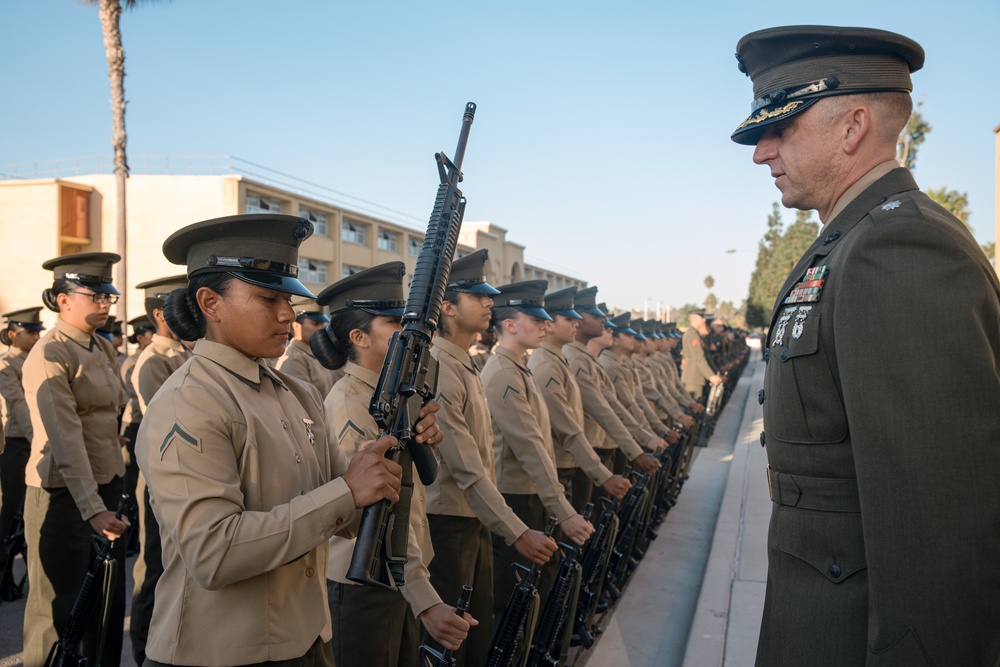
point(109, 572)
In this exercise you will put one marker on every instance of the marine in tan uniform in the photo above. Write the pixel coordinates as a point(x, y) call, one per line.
point(523, 452)
point(696, 369)
point(246, 481)
point(22, 330)
point(299, 360)
point(668, 341)
point(483, 348)
point(365, 311)
point(113, 332)
point(157, 362)
point(651, 376)
point(74, 474)
point(555, 377)
point(463, 504)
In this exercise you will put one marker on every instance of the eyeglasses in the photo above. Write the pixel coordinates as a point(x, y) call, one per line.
point(99, 297)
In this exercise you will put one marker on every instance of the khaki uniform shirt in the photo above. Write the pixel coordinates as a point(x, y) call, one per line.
point(652, 388)
point(132, 414)
point(522, 435)
point(623, 381)
point(652, 418)
point(562, 397)
point(665, 362)
point(73, 392)
point(348, 416)
point(606, 422)
point(244, 481)
point(16, 418)
point(156, 363)
point(299, 361)
point(466, 482)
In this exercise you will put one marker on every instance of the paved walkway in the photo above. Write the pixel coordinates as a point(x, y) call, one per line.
point(697, 597)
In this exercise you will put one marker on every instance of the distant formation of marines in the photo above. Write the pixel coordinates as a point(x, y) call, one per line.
point(546, 406)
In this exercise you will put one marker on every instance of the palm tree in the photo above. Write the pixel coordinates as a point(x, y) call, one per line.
point(110, 12)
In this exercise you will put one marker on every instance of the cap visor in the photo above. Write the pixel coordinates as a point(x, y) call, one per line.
point(481, 288)
point(750, 131)
point(278, 283)
point(318, 318)
point(596, 312)
point(386, 312)
point(33, 327)
point(104, 288)
point(540, 313)
point(571, 314)
point(609, 325)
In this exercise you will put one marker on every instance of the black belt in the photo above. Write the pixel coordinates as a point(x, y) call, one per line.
point(825, 494)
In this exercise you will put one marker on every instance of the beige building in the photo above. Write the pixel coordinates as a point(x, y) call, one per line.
point(996, 217)
point(44, 217)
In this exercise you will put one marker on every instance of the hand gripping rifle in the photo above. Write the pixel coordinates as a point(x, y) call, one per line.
point(11, 588)
point(430, 657)
point(552, 638)
point(519, 616)
point(103, 570)
point(409, 379)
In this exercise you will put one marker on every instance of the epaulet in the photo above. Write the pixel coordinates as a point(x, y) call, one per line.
point(896, 206)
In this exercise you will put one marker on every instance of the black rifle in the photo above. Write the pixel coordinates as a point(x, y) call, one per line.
point(519, 615)
point(628, 523)
point(594, 563)
point(66, 651)
point(409, 379)
point(11, 588)
point(552, 639)
point(433, 658)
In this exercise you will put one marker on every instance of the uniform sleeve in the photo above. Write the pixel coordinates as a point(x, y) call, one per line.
point(64, 431)
point(655, 397)
point(13, 395)
point(418, 591)
point(460, 452)
point(511, 411)
point(925, 426)
point(187, 450)
point(567, 432)
point(595, 404)
point(150, 377)
point(646, 409)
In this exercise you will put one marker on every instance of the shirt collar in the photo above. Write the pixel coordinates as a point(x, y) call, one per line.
point(370, 378)
point(74, 333)
point(860, 186)
point(250, 371)
point(517, 359)
point(168, 342)
point(447, 347)
point(554, 349)
point(303, 346)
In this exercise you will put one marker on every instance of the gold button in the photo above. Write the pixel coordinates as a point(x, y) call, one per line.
point(284, 424)
point(298, 459)
point(309, 572)
point(340, 522)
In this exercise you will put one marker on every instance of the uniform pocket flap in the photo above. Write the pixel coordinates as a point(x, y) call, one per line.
point(830, 542)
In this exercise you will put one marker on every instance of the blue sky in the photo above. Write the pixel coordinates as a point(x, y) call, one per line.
point(601, 140)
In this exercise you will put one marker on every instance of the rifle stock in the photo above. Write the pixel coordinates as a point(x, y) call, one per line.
point(409, 379)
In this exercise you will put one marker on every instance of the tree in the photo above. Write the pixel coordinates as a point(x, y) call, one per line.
point(779, 251)
point(710, 302)
point(956, 202)
point(990, 250)
point(910, 139)
point(109, 12)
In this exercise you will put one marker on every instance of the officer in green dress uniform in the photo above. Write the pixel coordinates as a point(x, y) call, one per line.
point(882, 446)
point(696, 369)
point(75, 470)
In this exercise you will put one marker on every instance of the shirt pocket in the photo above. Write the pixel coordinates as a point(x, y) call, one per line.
point(803, 403)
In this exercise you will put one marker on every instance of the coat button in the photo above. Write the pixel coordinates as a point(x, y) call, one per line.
point(298, 459)
point(340, 522)
point(762, 438)
point(767, 355)
point(310, 572)
point(834, 570)
point(760, 397)
point(784, 353)
point(284, 424)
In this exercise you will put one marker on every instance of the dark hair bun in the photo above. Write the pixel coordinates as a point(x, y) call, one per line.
point(49, 299)
point(327, 350)
point(5, 337)
point(183, 315)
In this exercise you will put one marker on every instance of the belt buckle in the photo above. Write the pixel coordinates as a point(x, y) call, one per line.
point(770, 488)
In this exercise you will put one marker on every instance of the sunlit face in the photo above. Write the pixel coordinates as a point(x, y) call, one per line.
point(591, 326)
point(562, 330)
point(306, 328)
point(252, 319)
point(78, 308)
point(800, 152)
point(526, 330)
point(473, 312)
point(379, 334)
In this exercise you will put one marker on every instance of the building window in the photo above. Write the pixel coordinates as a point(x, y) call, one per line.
point(262, 204)
point(353, 232)
point(413, 247)
point(312, 270)
point(317, 218)
point(386, 240)
point(349, 270)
